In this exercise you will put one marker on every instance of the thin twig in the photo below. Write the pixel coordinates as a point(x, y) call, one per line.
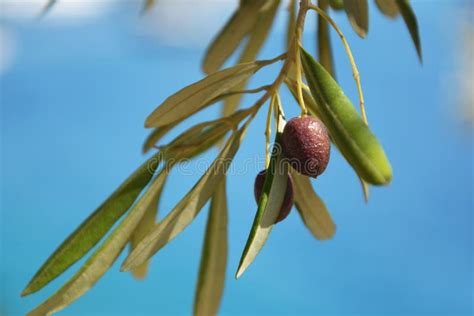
point(299, 90)
point(355, 71)
point(279, 105)
point(290, 56)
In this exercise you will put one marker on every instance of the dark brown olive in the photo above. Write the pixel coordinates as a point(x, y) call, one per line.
point(287, 199)
point(306, 145)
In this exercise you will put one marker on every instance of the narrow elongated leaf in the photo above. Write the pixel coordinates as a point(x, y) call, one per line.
point(324, 41)
point(412, 24)
point(198, 95)
point(365, 189)
point(187, 209)
point(155, 137)
point(255, 43)
point(195, 147)
point(191, 150)
point(157, 134)
point(201, 137)
point(224, 123)
point(231, 35)
point(347, 129)
point(337, 4)
point(91, 231)
point(210, 285)
point(260, 31)
point(103, 258)
point(147, 5)
point(269, 205)
point(144, 226)
point(358, 14)
point(313, 110)
point(48, 6)
point(312, 209)
point(388, 7)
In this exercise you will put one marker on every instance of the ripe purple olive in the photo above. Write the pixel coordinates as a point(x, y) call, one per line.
point(287, 199)
point(306, 145)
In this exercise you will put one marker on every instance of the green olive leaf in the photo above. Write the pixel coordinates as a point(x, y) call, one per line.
point(365, 189)
point(269, 204)
point(203, 136)
point(229, 38)
point(358, 15)
point(191, 149)
point(91, 231)
point(188, 208)
point(47, 7)
point(255, 43)
point(311, 208)
point(103, 258)
point(210, 284)
point(324, 41)
point(197, 96)
point(337, 4)
point(188, 151)
point(347, 129)
point(155, 136)
point(260, 31)
point(388, 7)
point(412, 24)
point(224, 123)
point(144, 226)
point(147, 5)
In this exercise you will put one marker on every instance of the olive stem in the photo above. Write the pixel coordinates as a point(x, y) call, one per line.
point(291, 22)
point(299, 90)
point(355, 71)
point(279, 106)
point(290, 56)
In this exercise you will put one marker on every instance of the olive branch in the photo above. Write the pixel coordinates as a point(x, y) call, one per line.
point(318, 95)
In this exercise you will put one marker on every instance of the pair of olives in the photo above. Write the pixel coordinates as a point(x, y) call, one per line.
point(306, 147)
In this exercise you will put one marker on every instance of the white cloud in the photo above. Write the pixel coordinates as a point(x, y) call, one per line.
point(65, 11)
point(7, 49)
point(185, 23)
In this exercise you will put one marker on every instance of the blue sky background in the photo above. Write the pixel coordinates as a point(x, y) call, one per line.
point(73, 103)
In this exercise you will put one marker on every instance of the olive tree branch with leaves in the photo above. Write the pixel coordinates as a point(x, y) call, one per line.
point(327, 116)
